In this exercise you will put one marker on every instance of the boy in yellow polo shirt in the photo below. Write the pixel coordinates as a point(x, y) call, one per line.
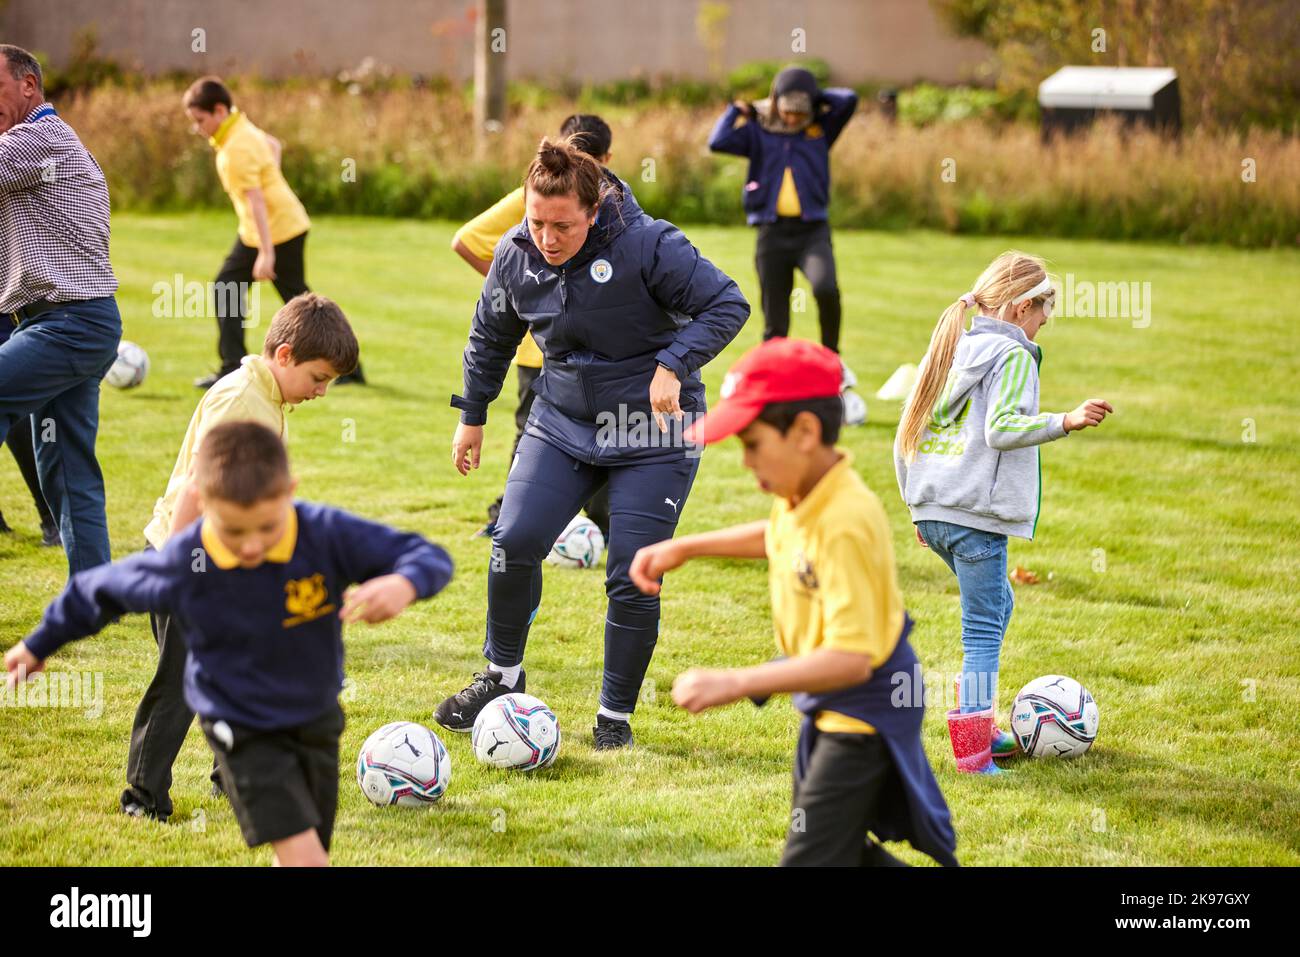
point(273, 224)
point(861, 775)
point(476, 241)
point(308, 345)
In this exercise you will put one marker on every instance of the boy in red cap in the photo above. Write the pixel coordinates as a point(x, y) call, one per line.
point(861, 775)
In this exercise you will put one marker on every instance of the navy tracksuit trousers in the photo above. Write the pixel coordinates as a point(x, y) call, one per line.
point(545, 489)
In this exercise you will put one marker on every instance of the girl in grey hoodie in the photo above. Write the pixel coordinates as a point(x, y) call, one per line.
point(967, 460)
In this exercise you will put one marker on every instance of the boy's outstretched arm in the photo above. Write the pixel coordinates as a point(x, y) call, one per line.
point(394, 568)
point(92, 600)
point(825, 669)
point(737, 541)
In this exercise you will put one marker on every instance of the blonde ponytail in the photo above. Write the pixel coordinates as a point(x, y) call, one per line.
point(1011, 274)
point(934, 373)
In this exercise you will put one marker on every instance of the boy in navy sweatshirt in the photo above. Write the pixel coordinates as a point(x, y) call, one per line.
point(258, 587)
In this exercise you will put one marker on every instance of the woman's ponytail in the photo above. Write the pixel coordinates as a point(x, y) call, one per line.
point(560, 167)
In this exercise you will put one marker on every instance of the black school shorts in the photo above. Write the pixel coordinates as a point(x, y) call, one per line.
point(283, 782)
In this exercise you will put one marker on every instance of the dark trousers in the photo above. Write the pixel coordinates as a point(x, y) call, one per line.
point(597, 508)
point(161, 722)
point(50, 370)
point(20, 445)
point(545, 489)
point(784, 246)
point(836, 802)
point(19, 441)
point(290, 280)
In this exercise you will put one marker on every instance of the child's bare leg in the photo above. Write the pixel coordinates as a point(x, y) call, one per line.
point(301, 850)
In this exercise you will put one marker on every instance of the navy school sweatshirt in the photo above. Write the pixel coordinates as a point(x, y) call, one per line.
point(265, 644)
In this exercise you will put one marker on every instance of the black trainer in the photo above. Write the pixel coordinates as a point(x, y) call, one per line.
point(50, 536)
point(355, 377)
point(458, 712)
point(611, 733)
point(134, 809)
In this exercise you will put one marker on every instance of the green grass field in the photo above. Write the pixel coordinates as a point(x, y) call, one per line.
point(1166, 549)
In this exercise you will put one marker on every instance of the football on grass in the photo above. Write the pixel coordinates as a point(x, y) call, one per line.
point(516, 732)
point(403, 763)
point(579, 545)
point(130, 367)
point(1054, 716)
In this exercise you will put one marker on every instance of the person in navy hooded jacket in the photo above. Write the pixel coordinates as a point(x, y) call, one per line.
point(787, 139)
point(626, 312)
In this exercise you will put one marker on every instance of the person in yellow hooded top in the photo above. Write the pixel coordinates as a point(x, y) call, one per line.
point(475, 242)
point(273, 224)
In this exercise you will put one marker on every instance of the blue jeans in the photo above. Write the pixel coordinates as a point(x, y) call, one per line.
point(979, 560)
point(50, 369)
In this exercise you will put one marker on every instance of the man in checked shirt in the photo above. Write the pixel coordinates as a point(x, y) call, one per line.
point(56, 292)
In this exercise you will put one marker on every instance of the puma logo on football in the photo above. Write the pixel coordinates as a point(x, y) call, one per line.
point(668, 501)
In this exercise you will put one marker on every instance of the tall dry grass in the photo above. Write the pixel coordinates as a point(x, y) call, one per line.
point(413, 154)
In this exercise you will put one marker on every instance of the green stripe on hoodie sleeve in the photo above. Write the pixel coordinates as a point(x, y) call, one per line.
point(1016, 397)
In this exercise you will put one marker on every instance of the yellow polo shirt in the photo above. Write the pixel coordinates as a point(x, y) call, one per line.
point(244, 162)
point(481, 235)
point(787, 200)
point(832, 576)
point(248, 393)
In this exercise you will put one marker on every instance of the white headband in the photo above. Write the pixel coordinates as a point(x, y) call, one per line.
point(1038, 290)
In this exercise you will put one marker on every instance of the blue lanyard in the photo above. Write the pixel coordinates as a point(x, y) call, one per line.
point(43, 111)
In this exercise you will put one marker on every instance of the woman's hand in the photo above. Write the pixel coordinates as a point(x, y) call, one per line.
point(923, 543)
point(1090, 413)
point(701, 688)
point(650, 563)
point(665, 389)
point(466, 447)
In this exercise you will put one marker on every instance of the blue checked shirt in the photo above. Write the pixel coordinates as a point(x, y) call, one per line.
point(53, 215)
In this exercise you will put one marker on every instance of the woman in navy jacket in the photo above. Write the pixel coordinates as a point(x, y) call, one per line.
point(626, 311)
point(787, 140)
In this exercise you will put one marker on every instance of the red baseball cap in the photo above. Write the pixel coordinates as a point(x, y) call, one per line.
point(779, 370)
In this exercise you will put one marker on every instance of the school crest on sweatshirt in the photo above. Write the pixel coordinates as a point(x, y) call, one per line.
point(306, 599)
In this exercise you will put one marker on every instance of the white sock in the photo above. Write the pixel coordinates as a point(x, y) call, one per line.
point(508, 675)
point(616, 715)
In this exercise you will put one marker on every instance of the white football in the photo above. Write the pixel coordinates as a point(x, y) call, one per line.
point(516, 732)
point(130, 367)
point(403, 763)
point(855, 408)
point(579, 546)
point(1054, 716)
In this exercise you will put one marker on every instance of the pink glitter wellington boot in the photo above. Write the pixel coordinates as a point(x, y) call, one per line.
point(971, 741)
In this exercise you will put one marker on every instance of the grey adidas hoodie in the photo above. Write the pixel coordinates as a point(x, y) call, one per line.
point(977, 462)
